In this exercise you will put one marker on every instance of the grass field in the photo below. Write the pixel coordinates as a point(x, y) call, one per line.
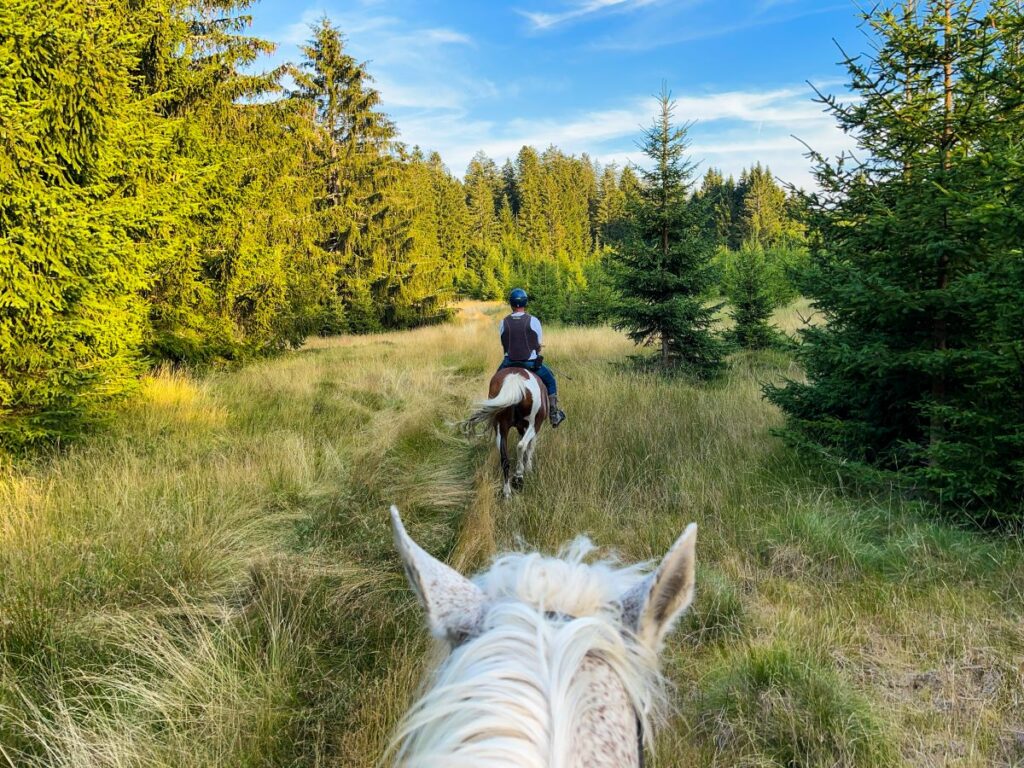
point(212, 582)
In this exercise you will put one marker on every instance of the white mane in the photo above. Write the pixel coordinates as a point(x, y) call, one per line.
point(512, 694)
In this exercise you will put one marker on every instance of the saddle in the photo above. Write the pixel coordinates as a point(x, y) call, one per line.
point(530, 365)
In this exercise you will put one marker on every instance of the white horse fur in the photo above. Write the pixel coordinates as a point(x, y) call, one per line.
point(552, 663)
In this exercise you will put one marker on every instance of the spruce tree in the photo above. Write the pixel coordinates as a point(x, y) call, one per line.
point(453, 233)
point(510, 186)
point(919, 365)
point(483, 189)
point(611, 208)
point(483, 186)
point(594, 196)
point(364, 215)
point(532, 198)
point(213, 292)
point(718, 195)
point(566, 184)
point(82, 175)
point(747, 286)
point(663, 268)
point(440, 237)
point(272, 277)
point(629, 184)
point(763, 217)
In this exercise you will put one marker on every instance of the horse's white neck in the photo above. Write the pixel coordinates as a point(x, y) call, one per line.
point(534, 688)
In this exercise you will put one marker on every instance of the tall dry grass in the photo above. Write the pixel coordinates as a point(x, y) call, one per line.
point(212, 583)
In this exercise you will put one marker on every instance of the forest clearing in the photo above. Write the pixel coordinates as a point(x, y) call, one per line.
point(212, 581)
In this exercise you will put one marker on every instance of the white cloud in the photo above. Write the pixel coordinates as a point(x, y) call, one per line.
point(676, 23)
point(542, 20)
point(299, 33)
point(791, 105)
point(426, 78)
point(441, 35)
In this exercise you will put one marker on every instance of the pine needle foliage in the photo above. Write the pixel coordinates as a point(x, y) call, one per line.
point(751, 303)
point(79, 174)
point(918, 370)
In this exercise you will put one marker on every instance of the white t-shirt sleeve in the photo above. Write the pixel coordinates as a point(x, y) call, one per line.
point(501, 327)
point(535, 325)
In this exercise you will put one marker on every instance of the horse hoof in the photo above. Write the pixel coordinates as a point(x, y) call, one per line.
point(517, 483)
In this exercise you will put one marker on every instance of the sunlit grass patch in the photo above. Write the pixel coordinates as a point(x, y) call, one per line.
point(191, 688)
point(882, 538)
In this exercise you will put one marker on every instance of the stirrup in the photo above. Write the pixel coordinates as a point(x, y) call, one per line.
point(556, 418)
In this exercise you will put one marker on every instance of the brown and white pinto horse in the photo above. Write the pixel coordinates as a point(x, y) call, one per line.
point(516, 398)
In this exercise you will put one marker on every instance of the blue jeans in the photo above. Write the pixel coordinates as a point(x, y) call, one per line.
point(542, 371)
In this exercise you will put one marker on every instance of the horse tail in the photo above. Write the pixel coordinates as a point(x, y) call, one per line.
point(513, 390)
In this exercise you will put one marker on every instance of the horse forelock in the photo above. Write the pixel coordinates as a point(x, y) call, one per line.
point(565, 584)
point(550, 649)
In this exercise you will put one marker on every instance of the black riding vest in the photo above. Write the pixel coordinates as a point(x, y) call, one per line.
point(517, 337)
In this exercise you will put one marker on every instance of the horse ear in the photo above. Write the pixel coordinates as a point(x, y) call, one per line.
point(454, 604)
point(651, 607)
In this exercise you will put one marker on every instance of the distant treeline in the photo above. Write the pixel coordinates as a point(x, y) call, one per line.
point(549, 222)
point(159, 204)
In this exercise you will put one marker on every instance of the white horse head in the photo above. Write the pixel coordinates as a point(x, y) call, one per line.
point(552, 662)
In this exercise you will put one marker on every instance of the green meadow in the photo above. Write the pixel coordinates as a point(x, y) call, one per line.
point(211, 581)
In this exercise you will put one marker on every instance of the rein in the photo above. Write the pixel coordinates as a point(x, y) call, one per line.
point(640, 740)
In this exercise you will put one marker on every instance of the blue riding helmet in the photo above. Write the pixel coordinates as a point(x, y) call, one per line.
point(518, 298)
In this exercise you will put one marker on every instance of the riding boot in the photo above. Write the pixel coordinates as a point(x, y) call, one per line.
point(557, 416)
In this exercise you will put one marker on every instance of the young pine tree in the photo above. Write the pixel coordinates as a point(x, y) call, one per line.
point(747, 284)
point(662, 266)
point(920, 365)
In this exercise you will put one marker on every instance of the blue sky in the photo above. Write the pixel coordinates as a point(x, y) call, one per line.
point(463, 75)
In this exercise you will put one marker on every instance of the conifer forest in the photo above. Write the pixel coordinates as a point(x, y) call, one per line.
point(162, 205)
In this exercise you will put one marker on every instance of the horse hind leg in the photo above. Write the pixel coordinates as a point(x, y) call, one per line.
point(530, 450)
point(524, 454)
point(517, 478)
point(502, 439)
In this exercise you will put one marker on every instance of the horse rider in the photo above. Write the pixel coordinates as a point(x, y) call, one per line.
point(522, 340)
